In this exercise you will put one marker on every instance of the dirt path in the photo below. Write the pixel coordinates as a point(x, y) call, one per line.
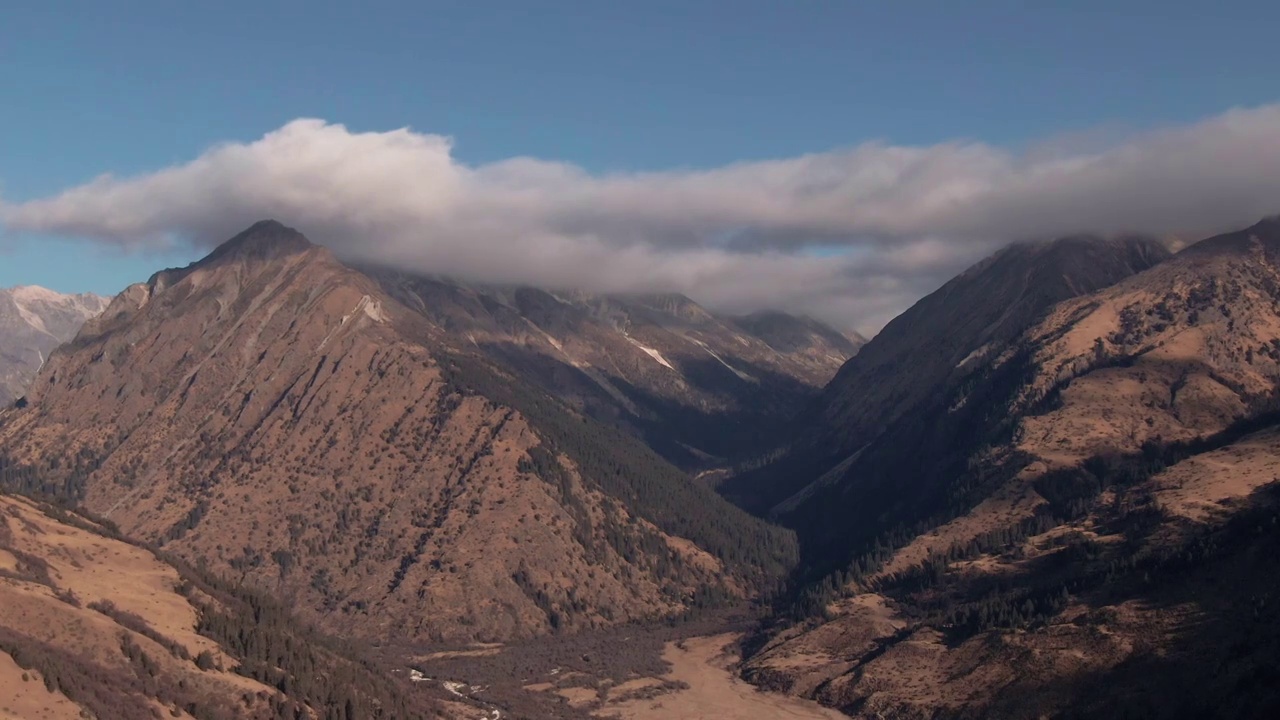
point(714, 691)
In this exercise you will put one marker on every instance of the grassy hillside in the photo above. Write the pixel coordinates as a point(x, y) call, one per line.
point(112, 629)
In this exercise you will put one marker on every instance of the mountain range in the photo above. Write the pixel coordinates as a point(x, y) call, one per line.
point(1048, 489)
point(702, 389)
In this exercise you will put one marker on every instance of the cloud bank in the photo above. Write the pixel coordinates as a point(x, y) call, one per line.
point(852, 236)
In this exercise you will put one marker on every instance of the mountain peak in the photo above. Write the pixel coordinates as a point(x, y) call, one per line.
point(35, 292)
point(265, 239)
point(257, 246)
point(25, 294)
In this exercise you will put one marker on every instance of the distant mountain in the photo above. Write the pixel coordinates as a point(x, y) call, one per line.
point(280, 417)
point(94, 626)
point(702, 389)
point(33, 321)
point(1079, 523)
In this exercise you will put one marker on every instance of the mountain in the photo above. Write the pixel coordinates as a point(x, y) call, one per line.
point(932, 347)
point(702, 389)
point(1081, 523)
point(94, 626)
point(277, 416)
point(33, 321)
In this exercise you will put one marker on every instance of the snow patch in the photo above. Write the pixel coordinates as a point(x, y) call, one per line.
point(653, 354)
point(732, 369)
point(549, 338)
point(373, 309)
point(974, 356)
point(455, 687)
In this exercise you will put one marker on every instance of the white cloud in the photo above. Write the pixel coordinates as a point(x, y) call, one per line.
point(738, 237)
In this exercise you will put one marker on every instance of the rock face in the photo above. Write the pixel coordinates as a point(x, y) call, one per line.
point(277, 415)
point(1078, 522)
point(702, 389)
point(94, 626)
point(34, 321)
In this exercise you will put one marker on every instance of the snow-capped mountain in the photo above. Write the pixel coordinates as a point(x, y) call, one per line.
point(34, 321)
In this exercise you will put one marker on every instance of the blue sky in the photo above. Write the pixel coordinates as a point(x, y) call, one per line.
point(608, 87)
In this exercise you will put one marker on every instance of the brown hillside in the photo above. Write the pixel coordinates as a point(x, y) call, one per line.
point(1083, 525)
point(273, 414)
point(923, 354)
point(91, 626)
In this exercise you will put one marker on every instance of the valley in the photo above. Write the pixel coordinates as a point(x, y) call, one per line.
point(474, 489)
point(634, 673)
point(639, 361)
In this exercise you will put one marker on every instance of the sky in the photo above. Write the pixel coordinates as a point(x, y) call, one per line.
point(840, 159)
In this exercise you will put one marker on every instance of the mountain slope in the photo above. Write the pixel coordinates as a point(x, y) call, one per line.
point(1173, 354)
point(93, 626)
point(700, 388)
point(33, 321)
point(1078, 527)
point(1142, 587)
point(271, 412)
point(932, 347)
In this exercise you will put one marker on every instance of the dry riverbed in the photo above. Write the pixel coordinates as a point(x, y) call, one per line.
point(704, 664)
point(654, 672)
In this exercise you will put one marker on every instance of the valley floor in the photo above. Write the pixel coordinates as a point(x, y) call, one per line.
point(631, 673)
point(706, 665)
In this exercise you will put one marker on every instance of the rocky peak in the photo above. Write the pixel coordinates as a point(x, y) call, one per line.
point(264, 240)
